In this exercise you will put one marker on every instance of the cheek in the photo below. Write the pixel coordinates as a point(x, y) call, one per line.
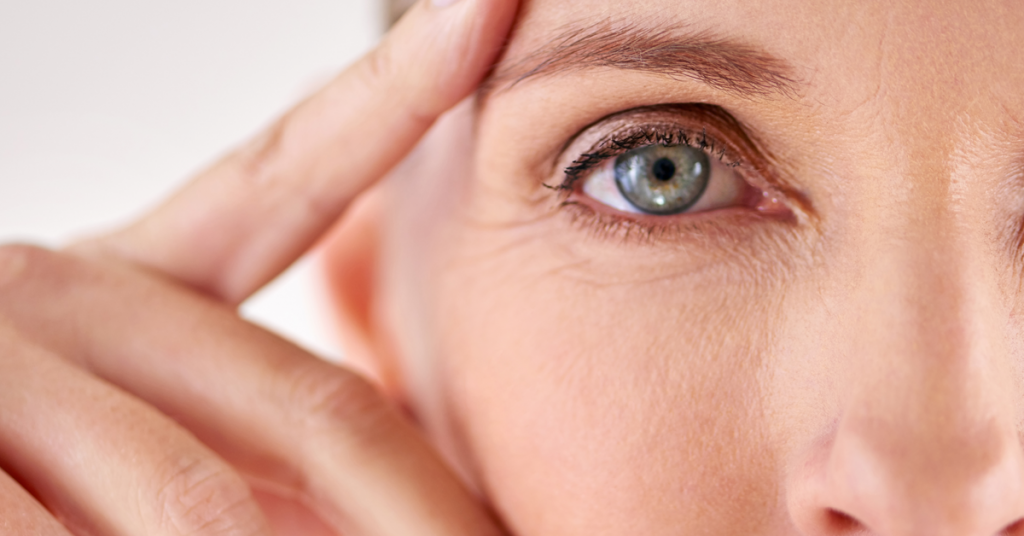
point(582, 394)
point(634, 407)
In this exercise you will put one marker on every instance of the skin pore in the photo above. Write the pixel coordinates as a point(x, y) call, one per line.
point(846, 359)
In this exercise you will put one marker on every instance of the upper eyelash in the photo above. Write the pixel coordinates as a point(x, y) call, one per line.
point(635, 137)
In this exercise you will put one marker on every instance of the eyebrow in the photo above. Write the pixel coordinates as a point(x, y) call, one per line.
point(672, 51)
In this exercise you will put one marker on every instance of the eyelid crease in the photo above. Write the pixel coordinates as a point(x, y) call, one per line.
point(671, 124)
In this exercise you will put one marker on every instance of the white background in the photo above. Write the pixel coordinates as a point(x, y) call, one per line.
point(108, 105)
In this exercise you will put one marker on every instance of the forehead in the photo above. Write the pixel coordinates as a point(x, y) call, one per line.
point(946, 54)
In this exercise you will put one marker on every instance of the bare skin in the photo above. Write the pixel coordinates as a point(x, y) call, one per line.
point(135, 401)
point(825, 342)
point(849, 362)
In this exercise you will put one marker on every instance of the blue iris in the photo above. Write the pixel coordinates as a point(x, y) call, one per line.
point(662, 179)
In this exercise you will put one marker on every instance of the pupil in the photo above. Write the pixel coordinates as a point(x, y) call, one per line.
point(663, 169)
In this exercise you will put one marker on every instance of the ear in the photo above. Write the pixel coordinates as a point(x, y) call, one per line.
point(349, 255)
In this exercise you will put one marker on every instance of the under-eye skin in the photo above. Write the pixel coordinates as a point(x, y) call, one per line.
point(663, 166)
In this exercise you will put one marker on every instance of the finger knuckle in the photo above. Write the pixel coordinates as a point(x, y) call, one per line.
point(204, 497)
point(18, 261)
point(324, 401)
point(392, 74)
point(379, 68)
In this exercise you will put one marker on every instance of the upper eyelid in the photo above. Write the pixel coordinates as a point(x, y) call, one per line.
point(645, 135)
point(685, 124)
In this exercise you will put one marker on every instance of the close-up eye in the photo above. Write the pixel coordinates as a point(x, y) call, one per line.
point(669, 160)
point(664, 180)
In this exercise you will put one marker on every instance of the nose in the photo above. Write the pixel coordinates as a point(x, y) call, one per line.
point(924, 437)
point(888, 476)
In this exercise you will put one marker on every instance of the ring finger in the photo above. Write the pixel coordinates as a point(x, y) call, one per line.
point(104, 461)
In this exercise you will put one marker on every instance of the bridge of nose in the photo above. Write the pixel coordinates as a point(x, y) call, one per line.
point(920, 434)
point(902, 338)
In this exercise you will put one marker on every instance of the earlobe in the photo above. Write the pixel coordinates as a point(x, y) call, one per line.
point(349, 259)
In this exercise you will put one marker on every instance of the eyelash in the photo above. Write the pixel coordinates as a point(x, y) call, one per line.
point(666, 131)
point(633, 138)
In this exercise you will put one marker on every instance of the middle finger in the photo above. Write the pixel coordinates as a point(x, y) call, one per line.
point(277, 412)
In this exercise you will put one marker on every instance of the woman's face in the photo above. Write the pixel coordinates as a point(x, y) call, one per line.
point(808, 321)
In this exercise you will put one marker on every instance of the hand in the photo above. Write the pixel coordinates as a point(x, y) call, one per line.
point(133, 400)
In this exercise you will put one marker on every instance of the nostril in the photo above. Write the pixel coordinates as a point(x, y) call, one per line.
point(1013, 529)
point(841, 523)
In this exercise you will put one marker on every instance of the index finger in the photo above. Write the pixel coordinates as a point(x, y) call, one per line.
point(242, 221)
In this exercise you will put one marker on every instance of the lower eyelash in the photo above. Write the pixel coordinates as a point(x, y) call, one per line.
point(605, 225)
point(655, 229)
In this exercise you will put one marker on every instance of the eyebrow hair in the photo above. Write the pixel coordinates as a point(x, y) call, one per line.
point(720, 63)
